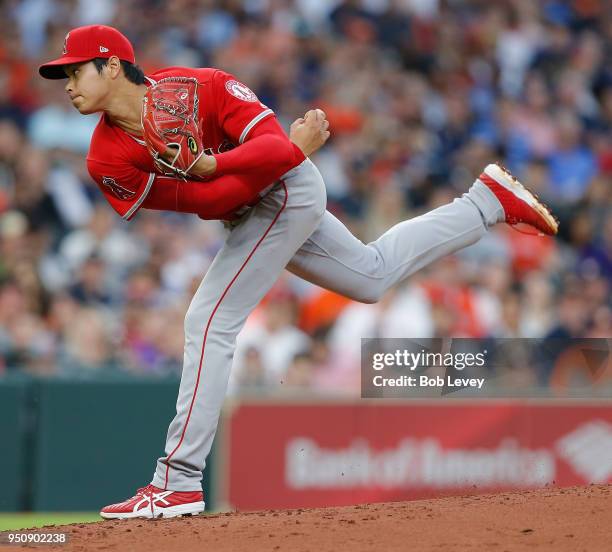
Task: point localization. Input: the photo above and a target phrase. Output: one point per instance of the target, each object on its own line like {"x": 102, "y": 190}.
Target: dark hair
{"x": 132, "y": 72}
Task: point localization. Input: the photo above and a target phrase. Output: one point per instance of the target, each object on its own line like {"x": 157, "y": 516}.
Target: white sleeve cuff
{"x": 253, "y": 122}
{"x": 143, "y": 196}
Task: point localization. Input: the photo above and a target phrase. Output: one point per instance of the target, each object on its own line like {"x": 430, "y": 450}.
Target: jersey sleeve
{"x": 123, "y": 185}
{"x": 238, "y": 108}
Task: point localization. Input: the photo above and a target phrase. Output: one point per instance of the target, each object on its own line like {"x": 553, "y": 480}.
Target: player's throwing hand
{"x": 310, "y": 132}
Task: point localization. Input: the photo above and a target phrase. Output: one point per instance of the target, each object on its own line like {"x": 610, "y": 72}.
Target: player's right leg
{"x": 335, "y": 259}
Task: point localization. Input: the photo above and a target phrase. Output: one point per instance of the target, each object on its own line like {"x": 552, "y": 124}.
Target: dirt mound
{"x": 572, "y": 519}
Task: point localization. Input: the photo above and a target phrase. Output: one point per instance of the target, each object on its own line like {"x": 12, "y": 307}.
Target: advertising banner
{"x": 308, "y": 455}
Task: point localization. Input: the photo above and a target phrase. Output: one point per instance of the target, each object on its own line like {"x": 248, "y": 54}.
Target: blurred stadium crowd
{"x": 420, "y": 94}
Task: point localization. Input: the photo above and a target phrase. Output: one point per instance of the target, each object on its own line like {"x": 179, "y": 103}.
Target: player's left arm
{"x": 218, "y": 199}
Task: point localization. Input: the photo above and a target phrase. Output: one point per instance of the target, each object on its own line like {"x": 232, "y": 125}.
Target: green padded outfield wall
{"x": 14, "y": 422}
{"x": 96, "y": 442}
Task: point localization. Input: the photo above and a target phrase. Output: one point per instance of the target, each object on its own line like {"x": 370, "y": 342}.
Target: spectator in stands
{"x": 419, "y": 96}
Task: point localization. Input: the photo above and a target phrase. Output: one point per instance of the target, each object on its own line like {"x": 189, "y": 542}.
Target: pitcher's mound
{"x": 572, "y": 519}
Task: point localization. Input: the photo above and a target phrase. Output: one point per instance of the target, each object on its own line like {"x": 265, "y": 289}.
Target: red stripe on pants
{"x": 195, "y": 391}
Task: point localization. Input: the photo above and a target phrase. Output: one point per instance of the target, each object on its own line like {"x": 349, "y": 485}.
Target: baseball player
{"x": 199, "y": 141}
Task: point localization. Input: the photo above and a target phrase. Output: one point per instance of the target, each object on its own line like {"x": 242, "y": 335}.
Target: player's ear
{"x": 114, "y": 67}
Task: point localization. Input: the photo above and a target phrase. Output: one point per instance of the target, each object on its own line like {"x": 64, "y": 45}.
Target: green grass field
{"x": 38, "y": 519}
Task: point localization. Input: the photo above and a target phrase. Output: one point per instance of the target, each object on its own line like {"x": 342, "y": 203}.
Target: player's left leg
{"x": 335, "y": 259}
{"x": 255, "y": 253}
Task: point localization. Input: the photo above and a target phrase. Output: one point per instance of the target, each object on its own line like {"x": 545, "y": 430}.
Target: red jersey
{"x": 123, "y": 168}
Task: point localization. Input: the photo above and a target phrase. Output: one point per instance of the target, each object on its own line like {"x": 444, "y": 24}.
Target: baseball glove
{"x": 170, "y": 120}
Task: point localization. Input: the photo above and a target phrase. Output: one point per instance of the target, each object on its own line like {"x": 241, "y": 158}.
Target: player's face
{"x": 86, "y": 88}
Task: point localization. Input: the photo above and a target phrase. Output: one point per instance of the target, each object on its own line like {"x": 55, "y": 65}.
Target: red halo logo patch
{"x": 240, "y": 91}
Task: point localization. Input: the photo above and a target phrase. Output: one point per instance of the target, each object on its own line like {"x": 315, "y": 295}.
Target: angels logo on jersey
{"x": 119, "y": 191}
{"x": 240, "y": 91}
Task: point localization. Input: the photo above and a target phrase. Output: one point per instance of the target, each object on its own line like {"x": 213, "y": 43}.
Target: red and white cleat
{"x": 519, "y": 204}
{"x": 152, "y": 502}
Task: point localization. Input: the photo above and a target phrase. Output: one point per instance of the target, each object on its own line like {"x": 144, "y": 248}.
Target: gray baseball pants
{"x": 290, "y": 228}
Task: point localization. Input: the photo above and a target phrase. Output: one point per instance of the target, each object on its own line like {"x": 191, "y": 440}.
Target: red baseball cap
{"x": 87, "y": 43}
